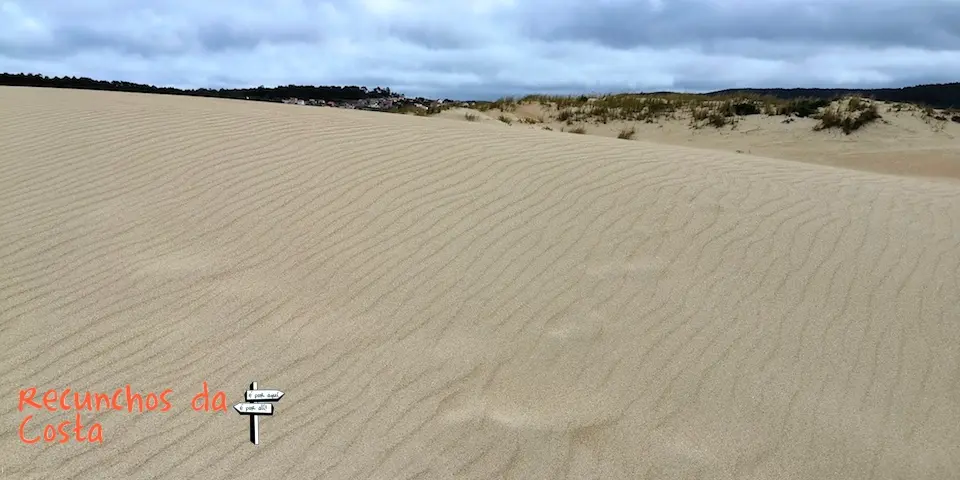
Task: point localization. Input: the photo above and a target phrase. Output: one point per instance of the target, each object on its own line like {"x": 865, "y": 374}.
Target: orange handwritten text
{"x": 34, "y": 430}
{"x": 94, "y": 433}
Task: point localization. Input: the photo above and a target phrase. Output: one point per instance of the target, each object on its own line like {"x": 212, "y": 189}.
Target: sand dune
{"x": 449, "y": 300}
{"x": 904, "y": 141}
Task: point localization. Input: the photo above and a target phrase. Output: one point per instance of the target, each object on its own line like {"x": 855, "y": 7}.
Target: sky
{"x": 483, "y": 49}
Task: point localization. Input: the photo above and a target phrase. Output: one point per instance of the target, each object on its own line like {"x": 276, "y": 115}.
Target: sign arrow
{"x": 263, "y": 395}
{"x": 254, "y": 408}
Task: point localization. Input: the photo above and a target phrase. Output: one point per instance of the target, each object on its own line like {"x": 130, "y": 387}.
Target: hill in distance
{"x": 945, "y": 95}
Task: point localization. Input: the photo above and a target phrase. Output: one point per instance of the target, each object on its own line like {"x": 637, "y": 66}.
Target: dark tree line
{"x": 939, "y": 95}
{"x": 272, "y": 94}
{"x": 944, "y": 95}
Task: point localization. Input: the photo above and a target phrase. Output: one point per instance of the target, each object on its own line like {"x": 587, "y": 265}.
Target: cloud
{"x": 853, "y": 23}
{"x": 488, "y": 48}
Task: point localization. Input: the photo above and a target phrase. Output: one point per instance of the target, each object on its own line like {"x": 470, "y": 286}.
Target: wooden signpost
{"x": 255, "y": 407}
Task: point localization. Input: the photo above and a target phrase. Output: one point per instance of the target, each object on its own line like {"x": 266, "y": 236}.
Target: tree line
{"x": 940, "y": 95}
{"x": 271, "y": 94}
{"x": 937, "y": 95}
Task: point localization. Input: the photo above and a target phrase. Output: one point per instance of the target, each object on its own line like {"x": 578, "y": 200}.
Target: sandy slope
{"x": 904, "y": 142}
{"x": 464, "y": 300}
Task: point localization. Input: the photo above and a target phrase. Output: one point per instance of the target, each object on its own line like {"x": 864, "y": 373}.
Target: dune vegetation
{"x": 847, "y": 114}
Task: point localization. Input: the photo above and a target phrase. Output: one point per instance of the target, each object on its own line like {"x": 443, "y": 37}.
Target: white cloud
{"x": 488, "y": 47}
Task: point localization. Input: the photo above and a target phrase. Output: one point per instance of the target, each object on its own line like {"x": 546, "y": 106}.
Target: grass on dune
{"x": 847, "y": 120}
{"x": 848, "y": 114}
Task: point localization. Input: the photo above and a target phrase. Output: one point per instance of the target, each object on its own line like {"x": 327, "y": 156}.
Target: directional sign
{"x": 254, "y": 408}
{"x": 263, "y": 395}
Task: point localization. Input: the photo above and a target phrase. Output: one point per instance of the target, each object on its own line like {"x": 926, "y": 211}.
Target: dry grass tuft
{"x": 505, "y": 104}
{"x": 847, "y": 121}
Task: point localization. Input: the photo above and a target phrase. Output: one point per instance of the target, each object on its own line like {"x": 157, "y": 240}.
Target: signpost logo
{"x": 255, "y": 406}
{"x": 257, "y": 402}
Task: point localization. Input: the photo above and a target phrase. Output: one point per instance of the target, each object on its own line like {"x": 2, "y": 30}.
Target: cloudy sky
{"x": 488, "y": 48}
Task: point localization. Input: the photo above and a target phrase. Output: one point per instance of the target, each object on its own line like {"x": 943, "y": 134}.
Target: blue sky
{"x": 488, "y": 48}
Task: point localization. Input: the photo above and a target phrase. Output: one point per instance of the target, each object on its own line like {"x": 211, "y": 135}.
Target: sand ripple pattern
{"x": 449, "y": 300}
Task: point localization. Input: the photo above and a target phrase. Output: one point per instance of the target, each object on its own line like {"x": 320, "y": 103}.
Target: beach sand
{"x": 443, "y": 299}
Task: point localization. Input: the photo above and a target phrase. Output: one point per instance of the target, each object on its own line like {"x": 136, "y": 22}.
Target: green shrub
{"x": 803, "y": 107}
{"x": 627, "y": 133}
{"x": 717, "y": 119}
{"x": 848, "y": 123}
{"x": 745, "y": 108}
